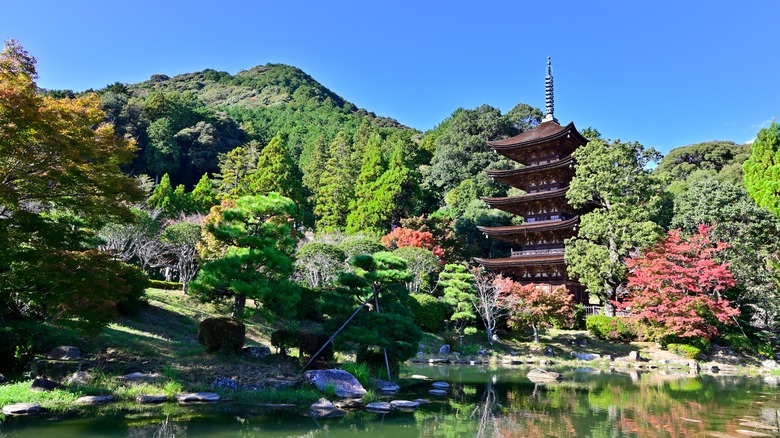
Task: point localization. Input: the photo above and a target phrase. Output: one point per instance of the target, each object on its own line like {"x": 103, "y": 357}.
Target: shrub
{"x": 611, "y": 329}
{"x": 428, "y": 312}
{"x": 738, "y": 342}
{"x": 221, "y": 334}
{"x": 167, "y": 285}
{"x": 136, "y": 281}
{"x": 686, "y": 351}
{"x": 306, "y": 342}
{"x": 22, "y": 340}
{"x": 700, "y": 342}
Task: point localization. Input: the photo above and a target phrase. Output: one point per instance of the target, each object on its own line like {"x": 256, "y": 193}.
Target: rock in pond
{"x": 542, "y": 376}
{"x": 151, "y": 398}
{"x": 44, "y": 385}
{"x": 440, "y": 385}
{"x": 22, "y": 408}
{"x": 64, "y": 353}
{"x": 379, "y": 407}
{"x": 439, "y": 392}
{"x": 189, "y": 397}
{"x": 94, "y": 399}
{"x": 322, "y": 403}
{"x": 634, "y": 356}
{"x": 421, "y": 401}
{"x": 404, "y": 404}
{"x": 770, "y": 364}
{"x": 385, "y": 386}
{"x": 345, "y": 384}
{"x": 444, "y": 350}
{"x": 349, "y": 403}
{"x": 224, "y": 384}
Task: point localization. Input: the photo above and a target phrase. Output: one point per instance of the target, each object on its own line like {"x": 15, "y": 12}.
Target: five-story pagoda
{"x": 545, "y": 152}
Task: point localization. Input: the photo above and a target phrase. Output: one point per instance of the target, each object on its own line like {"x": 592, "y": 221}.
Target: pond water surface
{"x": 481, "y": 401}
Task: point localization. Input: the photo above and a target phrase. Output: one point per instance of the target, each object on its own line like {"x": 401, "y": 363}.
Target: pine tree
{"x": 460, "y": 296}
{"x": 363, "y": 212}
{"x": 203, "y": 196}
{"x": 234, "y": 167}
{"x": 335, "y": 191}
{"x": 315, "y": 165}
{"x": 276, "y": 172}
{"x": 162, "y": 196}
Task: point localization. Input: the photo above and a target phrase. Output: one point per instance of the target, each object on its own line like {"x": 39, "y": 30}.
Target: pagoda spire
{"x": 549, "y": 105}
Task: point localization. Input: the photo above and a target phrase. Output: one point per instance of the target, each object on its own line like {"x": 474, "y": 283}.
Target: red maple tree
{"x": 401, "y": 237}
{"x": 534, "y": 305}
{"x": 676, "y": 287}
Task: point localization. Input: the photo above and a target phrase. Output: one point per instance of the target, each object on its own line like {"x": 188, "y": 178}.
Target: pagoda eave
{"x": 503, "y": 174}
{"x": 545, "y": 132}
{"x": 512, "y": 262}
{"x": 551, "y": 225}
{"x": 513, "y": 200}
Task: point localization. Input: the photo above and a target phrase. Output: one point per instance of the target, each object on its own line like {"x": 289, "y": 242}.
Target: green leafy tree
{"x": 60, "y": 180}
{"x": 422, "y": 263}
{"x": 258, "y": 261}
{"x": 460, "y": 295}
{"x": 366, "y": 207}
{"x": 753, "y": 237}
{"x": 762, "y": 169}
{"x": 181, "y": 240}
{"x": 319, "y": 264}
{"x": 335, "y": 193}
{"x": 613, "y": 177}
{"x": 461, "y": 149}
{"x": 162, "y": 152}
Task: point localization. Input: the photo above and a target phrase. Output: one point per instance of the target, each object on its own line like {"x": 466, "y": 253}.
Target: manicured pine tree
{"x": 460, "y": 296}
{"x": 335, "y": 191}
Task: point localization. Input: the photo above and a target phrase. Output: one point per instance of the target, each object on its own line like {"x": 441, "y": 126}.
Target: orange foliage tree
{"x": 401, "y": 237}
{"x": 534, "y": 305}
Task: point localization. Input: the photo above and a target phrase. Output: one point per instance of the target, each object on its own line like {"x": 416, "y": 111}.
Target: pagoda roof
{"x": 509, "y": 262}
{"x": 503, "y": 174}
{"x": 512, "y": 230}
{"x": 545, "y": 132}
{"x": 513, "y": 200}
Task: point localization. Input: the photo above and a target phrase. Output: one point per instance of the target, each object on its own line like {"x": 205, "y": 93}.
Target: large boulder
{"x": 221, "y": 334}
{"x": 64, "y": 353}
{"x": 343, "y": 383}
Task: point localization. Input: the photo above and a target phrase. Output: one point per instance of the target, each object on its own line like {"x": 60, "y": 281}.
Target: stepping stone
{"x": 349, "y": 403}
{"x": 440, "y": 385}
{"x": 22, "y": 408}
{"x": 189, "y": 397}
{"x": 404, "y": 404}
{"x": 419, "y": 377}
{"x": 385, "y": 386}
{"x": 379, "y": 407}
{"x": 151, "y": 398}
{"x": 94, "y": 399}
{"x": 437, "y": 392}
{"x": 421, "y": 401}
{"x": 751, "y": 433}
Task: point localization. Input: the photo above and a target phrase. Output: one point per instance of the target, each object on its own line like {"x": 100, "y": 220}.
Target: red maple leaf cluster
{"x": 401, "y": 237}
{"x": 677, "y": 286}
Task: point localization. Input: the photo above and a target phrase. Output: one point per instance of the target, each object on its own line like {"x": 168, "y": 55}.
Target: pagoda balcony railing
{"x": 533, "y": 252}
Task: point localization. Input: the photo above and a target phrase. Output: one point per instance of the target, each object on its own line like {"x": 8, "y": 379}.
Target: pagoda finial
{"x": 549, "y": 106}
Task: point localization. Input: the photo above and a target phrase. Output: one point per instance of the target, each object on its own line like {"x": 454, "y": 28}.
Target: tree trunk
{"x": 489, "y": 330}
{"x": 239, "y": 302}
{"x": 536, "y": 332}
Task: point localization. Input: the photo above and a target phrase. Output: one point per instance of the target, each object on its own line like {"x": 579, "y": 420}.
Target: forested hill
{"x": 182, "y": 123}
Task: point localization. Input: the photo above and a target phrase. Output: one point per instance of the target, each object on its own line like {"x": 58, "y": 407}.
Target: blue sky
{"x": 664, "y": 73}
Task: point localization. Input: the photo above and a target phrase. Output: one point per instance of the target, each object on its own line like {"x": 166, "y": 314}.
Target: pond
{"x": 481, "y": 401}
